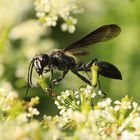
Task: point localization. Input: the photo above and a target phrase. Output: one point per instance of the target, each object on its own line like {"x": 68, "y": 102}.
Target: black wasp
{"x": 61, "y": 60}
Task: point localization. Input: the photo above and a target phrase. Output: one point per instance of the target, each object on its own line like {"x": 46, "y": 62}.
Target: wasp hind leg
{"x": 101, "y": 92}
{"x": 82, "y": 77}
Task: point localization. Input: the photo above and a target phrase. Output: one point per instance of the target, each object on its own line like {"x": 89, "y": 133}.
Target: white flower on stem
{"x": 49, "y": 11}
{"x": 136, "y": 123}
{"x": 76, "y": 94}
{"x": 135, "y": 105}
{"x": 69, "y": 25}
{"x": 22, "y": 118}
{"x": 93, "y": 95}
{"x": 105, "y": 103}
{"x": 51, "y": 20}
{"x": 62, "y": 111}
{"x": 32, "y": 111}
{"x": 56, "y": 102}
{"x": 78, "y": 102}
{"x": 117, "y": 108}
{"x": 126, "y": 135}
{"x": 124, "y": 104}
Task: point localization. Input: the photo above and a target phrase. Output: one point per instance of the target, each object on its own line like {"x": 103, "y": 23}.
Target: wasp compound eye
{"x": 45, "y": 60}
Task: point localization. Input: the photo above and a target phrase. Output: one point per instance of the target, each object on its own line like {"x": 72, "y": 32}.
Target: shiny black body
{"x": 64, "y": 61}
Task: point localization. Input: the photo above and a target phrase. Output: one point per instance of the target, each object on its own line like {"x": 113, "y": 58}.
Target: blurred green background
{"x": 21, "y": 38}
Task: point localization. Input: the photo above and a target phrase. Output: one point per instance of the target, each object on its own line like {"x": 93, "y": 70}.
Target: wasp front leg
{"x": 46, "y": 70}
{"x": 56, "y": 81}
{"x": 51, "y": 77}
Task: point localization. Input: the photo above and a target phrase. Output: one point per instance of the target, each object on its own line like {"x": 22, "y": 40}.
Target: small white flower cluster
{"x": 14, "y": 108}
{"x": 49, "y": 11}
{"x": 25, "y": 116}
{"x": 102, "y": 120}
{"x": 123, "y": 104}
{"x": 89, "y": 92}
{"x": 11, "y": 130}
{"x": 104, "y": 103}
{"x": 74, "y": 100}
{"x": 80, "y": 116}
{"x": 31, "y": 110}
{"x": 66, "y": 100}
{"x": 6, "y": 99}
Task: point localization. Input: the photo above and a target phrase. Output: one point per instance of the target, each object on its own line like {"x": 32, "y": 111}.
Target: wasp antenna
{"x": 29, "y": 77}
{"x": 27, "y": 89}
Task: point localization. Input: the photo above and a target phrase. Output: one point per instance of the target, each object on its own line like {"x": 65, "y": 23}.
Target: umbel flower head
{"x": 50, "y": 11}
{"x": 84, "y": 114}
{"x": 104, "y": 119}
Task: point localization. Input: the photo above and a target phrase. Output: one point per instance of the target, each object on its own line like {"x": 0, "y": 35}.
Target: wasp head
{"x": 39, "y": 62}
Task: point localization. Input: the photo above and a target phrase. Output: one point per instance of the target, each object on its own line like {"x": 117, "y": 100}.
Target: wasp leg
{"x": 79, "y": 65}
{"x": 56, "y": 81}
{"x": 82, "y": 67}
{"x": 85, "y": 70}
{"x": 50, "y": 86}
{"x": 88, "y": 65}
{"x": 99, "y": 84}
{"x": 82, "y": 77}
{"x": 46, "y": 70}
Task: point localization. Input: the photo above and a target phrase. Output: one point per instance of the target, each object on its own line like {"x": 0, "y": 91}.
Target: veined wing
{"x": 104, "y": 33}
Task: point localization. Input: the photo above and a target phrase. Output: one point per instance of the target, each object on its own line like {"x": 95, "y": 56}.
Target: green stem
{"x": 41, "y": 82}
{"x": 4, "y": 36}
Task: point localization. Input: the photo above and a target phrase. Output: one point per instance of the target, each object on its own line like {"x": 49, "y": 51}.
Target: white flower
{"x": 117, "y": 102}
{"x": 56, "y": 102}
{"x": 126, "y": 135}
{"x": 76, "y": 94}
{"x": 105, "y": 103}
{"x": 136, "y": 123}
{"x": 48, "y": 12}
{"x": 135, "y": 105}
{"x": 125, "y": 104}
{"x": 51, "y": 21}
{"x": 62, "y": 111}
{"x": 93, "y": 95}
{"x": 22, "y": 118}
{"x": 100, "y": 93}
{"x": 117, "y": 108}
{"x": 33, "y": 111}
{"x": 78, "y": 102}
{"x": 69, "y": 25}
